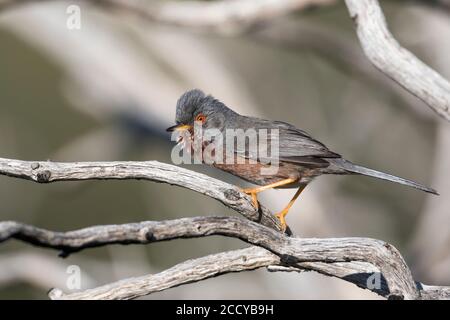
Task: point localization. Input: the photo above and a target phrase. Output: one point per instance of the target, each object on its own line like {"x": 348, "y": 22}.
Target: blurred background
{"x": 108, "y": 90}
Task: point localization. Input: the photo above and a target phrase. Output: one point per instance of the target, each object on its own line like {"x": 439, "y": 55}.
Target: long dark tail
{"x": 350, "y": 167}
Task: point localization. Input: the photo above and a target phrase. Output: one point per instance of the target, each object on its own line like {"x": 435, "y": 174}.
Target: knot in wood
{"x": 43, "y": 176}
{"x": 35, "y": 166}
{"x": 232, "y": 195}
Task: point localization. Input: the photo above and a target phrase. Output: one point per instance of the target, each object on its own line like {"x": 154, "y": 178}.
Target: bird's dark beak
{"x": 179, "y": 127}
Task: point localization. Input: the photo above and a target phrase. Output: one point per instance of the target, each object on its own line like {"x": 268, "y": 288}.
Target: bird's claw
{"x": 281, "y": 217}
{"x": 254, "y": 196}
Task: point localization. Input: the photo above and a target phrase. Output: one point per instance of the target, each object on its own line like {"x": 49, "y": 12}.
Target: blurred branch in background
{"x": 443, "y": 4}
{"x": 237, "y": 16}
{"x": 395, "y": 61}
{"x": 224, "y": 16}
{"x": 27, "y": 267}
{"x": 337, "y": 49}
{"x": 431, "y": 231}
{"x": 332, "y": 257}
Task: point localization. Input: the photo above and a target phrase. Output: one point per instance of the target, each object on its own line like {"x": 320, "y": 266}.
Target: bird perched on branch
{"x": 298, "y": 157}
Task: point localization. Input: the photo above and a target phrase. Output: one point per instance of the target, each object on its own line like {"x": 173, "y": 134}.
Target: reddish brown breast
{"x": 254, "y": 172}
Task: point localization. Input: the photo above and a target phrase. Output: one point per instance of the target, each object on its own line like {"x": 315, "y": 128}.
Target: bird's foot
{"x": 251, "y": 192}
{"x": 281, "y": 216}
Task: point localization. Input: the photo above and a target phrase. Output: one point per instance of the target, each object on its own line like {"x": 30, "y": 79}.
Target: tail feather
{"x": 350, "y": 167}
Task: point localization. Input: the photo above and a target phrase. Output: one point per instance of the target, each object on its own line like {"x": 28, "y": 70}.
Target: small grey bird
{"x": 300, "y": 157}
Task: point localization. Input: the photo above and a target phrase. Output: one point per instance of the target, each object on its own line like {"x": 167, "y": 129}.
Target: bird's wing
{"x": 294, "y": 145}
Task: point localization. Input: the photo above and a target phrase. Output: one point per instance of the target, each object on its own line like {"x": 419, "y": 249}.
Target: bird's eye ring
{"x": 200, "y": 117}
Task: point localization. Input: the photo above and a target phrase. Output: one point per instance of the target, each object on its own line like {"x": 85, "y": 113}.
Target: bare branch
{"x": 187, "y": 272}
{"x": 351, "y": 259}
{"x": 231, "y": 196}
{"x": 334, "y": 257}
{"x": 395, "y": 61}
{"x": 435, "y": 292}
{"x": 234, "y": 261}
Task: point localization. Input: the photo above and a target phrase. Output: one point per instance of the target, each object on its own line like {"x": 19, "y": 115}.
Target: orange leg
{"x": 282, "y": 214}
{"x": 254, "y": 191}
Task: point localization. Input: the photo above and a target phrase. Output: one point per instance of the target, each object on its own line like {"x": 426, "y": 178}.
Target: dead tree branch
{"x": 186, "y": 272}
{"x": 351, "y": 259}
{"x": 395, "y": 61}
{"x": 229, "y": 195}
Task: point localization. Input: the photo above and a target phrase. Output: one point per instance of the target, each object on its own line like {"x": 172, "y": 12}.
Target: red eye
{"x": 201, "y": 117}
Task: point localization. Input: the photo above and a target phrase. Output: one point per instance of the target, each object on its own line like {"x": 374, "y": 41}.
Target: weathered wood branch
{"x": 186, "y": 272}
{"x": 395, "y": 61}
{"x": 231, "y": 196}
{"x": 351, "y": 259}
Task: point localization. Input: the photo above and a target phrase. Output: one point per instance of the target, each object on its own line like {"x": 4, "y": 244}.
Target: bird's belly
{"x": 261, "y": 174}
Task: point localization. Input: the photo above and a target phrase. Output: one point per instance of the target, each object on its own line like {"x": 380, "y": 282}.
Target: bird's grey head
{"x": 194, "y": 105}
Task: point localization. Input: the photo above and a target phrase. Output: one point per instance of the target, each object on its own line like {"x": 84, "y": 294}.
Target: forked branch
{"x": 356, "y": 260}
{"x": 352, "y": 259}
